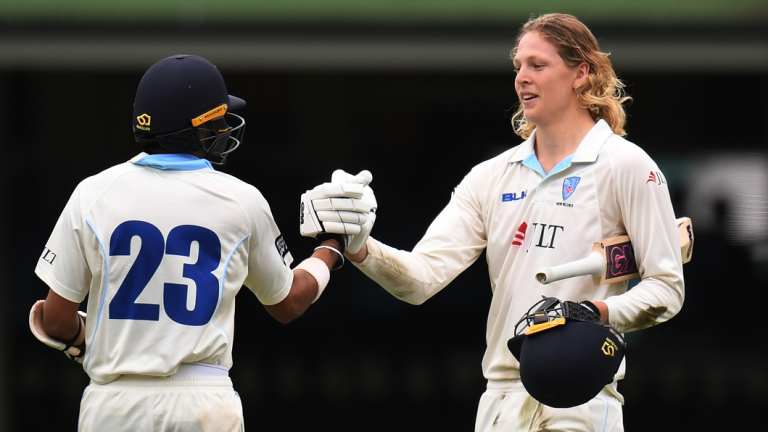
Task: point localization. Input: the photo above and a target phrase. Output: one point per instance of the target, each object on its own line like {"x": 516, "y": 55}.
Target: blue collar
{"x": 533, "y": 163}
{"x": 172, "y": 161}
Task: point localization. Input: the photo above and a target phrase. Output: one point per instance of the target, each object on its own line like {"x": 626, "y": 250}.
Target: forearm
{"x": 60, "y": 319}
{"x": 653, "y": 301}
{"x": 412, "y": 277}
{"x": 309, "y": 280}
{"x": 57, "y": 323}
{"x": 303, "y": 292}
{"x": 649, "y": 220}
{"x": 63, "y": 330}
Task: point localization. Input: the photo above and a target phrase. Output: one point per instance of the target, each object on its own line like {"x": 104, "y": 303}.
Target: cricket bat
{"x": 613, "y": 259}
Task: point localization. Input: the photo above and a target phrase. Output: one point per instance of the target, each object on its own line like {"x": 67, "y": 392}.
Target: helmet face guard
{"x": 564, "y": 361}
{"x": 218, "y": 139}
{"x": 547, "y": 311}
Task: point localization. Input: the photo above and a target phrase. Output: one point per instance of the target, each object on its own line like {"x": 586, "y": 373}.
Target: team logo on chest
{"x": 569, "y": 186}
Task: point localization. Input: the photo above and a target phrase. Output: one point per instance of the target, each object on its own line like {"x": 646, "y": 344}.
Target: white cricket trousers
{"x": 197, "y": 398}
{"x": 507, "y": 407}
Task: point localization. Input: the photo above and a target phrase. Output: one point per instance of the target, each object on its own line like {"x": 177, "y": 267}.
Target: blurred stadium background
{"x": 418, "y": 92}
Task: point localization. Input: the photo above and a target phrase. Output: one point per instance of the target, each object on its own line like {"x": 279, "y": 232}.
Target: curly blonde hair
{"x": 603, "y": 94}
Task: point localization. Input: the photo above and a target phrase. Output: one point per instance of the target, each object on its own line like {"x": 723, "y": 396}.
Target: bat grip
{"x": 592, "y": 264}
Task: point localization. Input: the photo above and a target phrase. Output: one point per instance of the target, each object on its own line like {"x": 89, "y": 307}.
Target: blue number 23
{"x": 153, "y": 247}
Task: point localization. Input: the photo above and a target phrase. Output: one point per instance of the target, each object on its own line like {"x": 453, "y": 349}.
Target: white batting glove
{"x": 355, "y": 241}
{"x": 333, "y": 208}
{"x": 74, "y": 350}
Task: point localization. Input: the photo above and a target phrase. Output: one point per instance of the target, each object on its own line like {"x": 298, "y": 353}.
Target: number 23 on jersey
{"x": 153, "y": 248}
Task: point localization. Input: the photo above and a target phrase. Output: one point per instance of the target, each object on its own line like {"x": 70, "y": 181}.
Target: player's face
{"x": 544, "y": 83}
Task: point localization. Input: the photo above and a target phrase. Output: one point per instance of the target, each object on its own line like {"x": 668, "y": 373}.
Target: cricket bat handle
{"x": 613, "y": 259}
{"x": 594, "y": 263}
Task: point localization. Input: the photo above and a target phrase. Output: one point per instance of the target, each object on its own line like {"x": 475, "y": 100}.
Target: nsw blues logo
{"x": 569, "y": 186}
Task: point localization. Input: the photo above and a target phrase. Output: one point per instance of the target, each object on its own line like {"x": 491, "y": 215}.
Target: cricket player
{"x": 573, "y": 181}
{"x": 160, "y": 245}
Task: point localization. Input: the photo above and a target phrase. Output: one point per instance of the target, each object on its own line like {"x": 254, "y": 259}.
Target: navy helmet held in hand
{"x": 566, "y": 355}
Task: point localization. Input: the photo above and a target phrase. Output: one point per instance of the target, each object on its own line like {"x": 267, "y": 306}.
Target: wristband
{"x": 337, "y": 253}
{"x": 319, "y": 270}
{"x": 338, "y": 237}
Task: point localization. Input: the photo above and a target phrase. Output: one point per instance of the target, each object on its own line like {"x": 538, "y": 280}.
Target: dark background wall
{"x": 359, "y": 359}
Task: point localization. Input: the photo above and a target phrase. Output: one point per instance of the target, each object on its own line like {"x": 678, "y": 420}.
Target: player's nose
{"x": 522, "y": 77}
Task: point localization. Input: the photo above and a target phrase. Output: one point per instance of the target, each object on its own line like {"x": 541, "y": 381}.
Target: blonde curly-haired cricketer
{"x": 574, "y": 180}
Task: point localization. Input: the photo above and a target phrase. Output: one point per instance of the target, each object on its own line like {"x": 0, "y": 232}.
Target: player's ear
{"x": 582, "y": 76}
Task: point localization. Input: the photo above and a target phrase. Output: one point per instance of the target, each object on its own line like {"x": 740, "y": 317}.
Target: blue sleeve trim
{"x": 226, "y": 266}
{"x": 104, "y": 288}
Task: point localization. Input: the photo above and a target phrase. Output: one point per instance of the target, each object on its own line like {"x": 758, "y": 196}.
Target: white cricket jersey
{"x": 526, "y": 219}
{"x": 161, "y": 245}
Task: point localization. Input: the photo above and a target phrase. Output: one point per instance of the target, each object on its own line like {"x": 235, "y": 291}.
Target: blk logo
{"x": 540, "y": 235}
{"x": 512, "y": 196}
{"x": 48, "y": 256}
{"x": 656, "y": 177}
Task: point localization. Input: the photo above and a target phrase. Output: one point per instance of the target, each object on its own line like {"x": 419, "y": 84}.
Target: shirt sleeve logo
{"x": 569, "y": 186}
{"x": 281, "y": 246}
{"x": 656, "y": 177}
{"x": 48, "y": 256}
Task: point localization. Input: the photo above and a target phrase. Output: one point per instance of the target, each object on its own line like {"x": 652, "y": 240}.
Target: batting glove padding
{"x": 355, "y": 241}
{"x": 333, "y": 208}
{"x": 583, "y": 311}
{"x": 73, "y": 352}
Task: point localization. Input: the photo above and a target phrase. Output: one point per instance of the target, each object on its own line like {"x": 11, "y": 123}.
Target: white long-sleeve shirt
{"x": 526, "y": 219}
